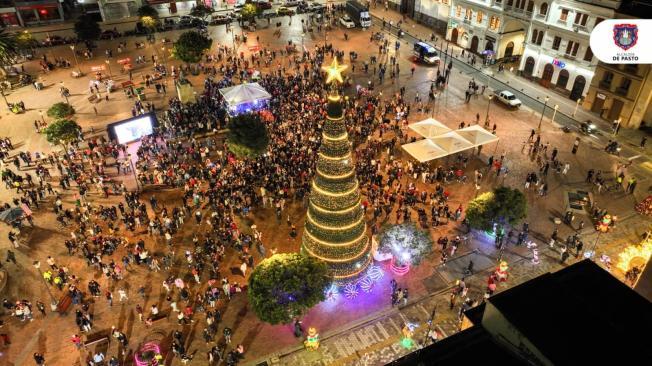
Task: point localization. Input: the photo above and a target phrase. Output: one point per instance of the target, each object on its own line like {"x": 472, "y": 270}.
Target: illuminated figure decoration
{"x": 604, "y": 224}
{"x": 312, "y": 340}
{"x": 335, "y": 229}
{"x": 535, "y": 252}
{"x": 408, "y": 333}
{"x": 501, "y": 272}
{"x": 149, "y": 354}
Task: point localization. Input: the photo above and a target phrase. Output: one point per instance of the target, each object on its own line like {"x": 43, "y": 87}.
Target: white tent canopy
{"x": 429, "y": 128}
{"x": 451, "y": 142}
{"x": 424, "y": 150}
{"x": 477, "y": 135}
{"x": 244, "y": 93}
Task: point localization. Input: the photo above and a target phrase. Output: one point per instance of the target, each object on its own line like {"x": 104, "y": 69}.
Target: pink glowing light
{"x": 398, "y": 268}
{"x": 147, "y": 347}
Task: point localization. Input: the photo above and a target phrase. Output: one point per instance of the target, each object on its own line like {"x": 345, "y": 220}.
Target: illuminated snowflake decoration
{"x": 375, "y": 273}
{"x": 351, "y": 290}
{"x": 332, "y": 292}
{"x": 367, "y": 284}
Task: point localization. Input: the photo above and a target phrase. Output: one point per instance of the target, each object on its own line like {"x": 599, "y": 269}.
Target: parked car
{"x": 198, "y": 22}
{"x": 53, "y": 41}
{"x": 185, "y": 21}
{"x": 509, "y": 99}
{"x": 220, "y": 19}
{"x": 347, "y": 22}
{"x": 284, "y": 10}
{"x": 263, "y": 4}
{"x": 315, "y": 8}
{"x": 291, "y": 3}
{"x": 109, "y": 34}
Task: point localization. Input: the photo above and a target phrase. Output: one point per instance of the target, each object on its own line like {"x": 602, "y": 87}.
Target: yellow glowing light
{"x": 325, "y": 210}
{"x": 348, "y": 155}
{"x": 330, "y": 176}
{"x": 344, "y": 244}
{"x": 338, "y": 260}
{"x": 334, "y": 72}
{"x": 362, "y": 268}
{"x": 326, "y": 227}
{"x": 331, "y": 194}
{"x": 643, "y": 251}
{"x": 341, "y": 137}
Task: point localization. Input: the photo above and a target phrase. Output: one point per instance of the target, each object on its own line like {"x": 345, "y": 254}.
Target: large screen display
{"x": 133, "y": 129}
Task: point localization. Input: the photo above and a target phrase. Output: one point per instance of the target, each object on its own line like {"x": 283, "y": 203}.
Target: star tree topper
{"x": 334, "y": 72}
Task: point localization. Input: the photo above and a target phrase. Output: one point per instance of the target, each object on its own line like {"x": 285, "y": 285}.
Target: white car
{"x": 291, "y": 3}
{"x": 346, "y": 22}
{"x": 509, "y": 99}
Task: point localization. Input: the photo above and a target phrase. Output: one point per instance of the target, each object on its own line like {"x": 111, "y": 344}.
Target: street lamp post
{"x": 545, "y": 104}
{"x": 617, "y": 126}
{"x": 554, "y": 113}
{"x": 486, "y": 117}
{"x": 577, "y": 104}
{"x": 63, "y": 93}
{"x": 108, "y": 64}
{"x": 74, "y": 55}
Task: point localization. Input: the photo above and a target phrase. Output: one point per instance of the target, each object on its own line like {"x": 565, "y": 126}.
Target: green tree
{"x": 61, "y": 110}
{"x": 191, "y": 46}
{"x": 248, "y": 135}
{"x": 502, "y": 206}
{"x": 25, "y": 40}
{"x": 406, "y": 242}
{"x": 62, "y": 131}
{"x": 249, "y": 11}
{"x": 201, "y": 11}
{"x": 87, "y": 28}
{"x": 148, "y": 16}
{"x": 284, "y": 286}
{"x": 9, "y": 47}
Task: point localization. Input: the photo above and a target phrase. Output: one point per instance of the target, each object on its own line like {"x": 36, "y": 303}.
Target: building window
{"x": 530, "y": 6}
{"x": 458, "y": 11}
{"x": 535, "y": 33}
{"x": 494, "y": 22}
{"x": 564, "y": 15}
{"x": 598, "y": 20}
{"x": 588, "y": 55}
{"x": 607, "y": 78}
{"x": 469, "y": 14}
{"x": 623, "y": 89}
{"x": 631, "y": 68}
{"x": 571, "y": 48}
{"x": 580, "y": 19}
{"x": 510, "y": 2}
{"x": 499, "y": 1}
{"x": 540, "y": 39}
{"x": 556, "y": 43}
{"x": 543, "y": 9}
{"x": 480, "y": 17}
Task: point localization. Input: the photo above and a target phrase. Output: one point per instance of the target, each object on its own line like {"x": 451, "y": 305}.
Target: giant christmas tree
{"x": 335, "y": 229}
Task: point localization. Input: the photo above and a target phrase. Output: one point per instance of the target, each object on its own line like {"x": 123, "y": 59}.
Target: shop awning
{"x": 244, "y": 93}
{"x": 429, "y": 128}
{"x": 424, "y": 150}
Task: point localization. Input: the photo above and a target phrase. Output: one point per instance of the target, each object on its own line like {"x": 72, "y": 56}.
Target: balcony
{"x": 467, "y": 21}
{"x": 528, "y": 14}
{"x": 605, "y": 84}
{"x": 540, "y": 16}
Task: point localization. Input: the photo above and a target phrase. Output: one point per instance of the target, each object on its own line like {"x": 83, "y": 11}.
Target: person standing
{"x": 576, "y": 145}
{"x": 643, "y": 141}
{"x": 39, "y": 359}
{"x": 227, "y": 335}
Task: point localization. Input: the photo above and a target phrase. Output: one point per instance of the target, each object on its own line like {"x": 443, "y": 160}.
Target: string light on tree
{"x": 335, "y": 229}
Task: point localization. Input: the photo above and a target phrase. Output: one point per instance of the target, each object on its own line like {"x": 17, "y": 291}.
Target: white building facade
{"x": 557, "y": 52}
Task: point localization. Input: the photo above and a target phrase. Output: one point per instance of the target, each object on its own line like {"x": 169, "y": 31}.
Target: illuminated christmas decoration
{"x": 312, "y": 340}
{"x": 535, "y": 252}
{"x": 408, "y": 333}
{"x": 375, "y": 273}
{"x": 332, "y": 292}
{"x": 603, "y": 225}
{"x": 501, "y": 272}
{"x": 335, "y": 229}
{"x": 367, "y": 284}
{"x": 351, "y": 290}
{"x": 406, "y": 244}
{"x": 148, "y": 354}
{"x": 642, "y": 252}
